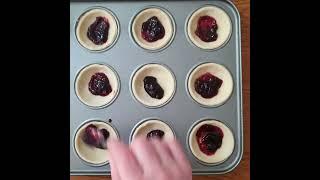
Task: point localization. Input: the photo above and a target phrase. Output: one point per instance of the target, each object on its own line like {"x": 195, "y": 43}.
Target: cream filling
{"x": 219, "y": 71}
{"x": 91, "y": 154}
{"x": 165, "y": 79}
{"x": 86, "y": 20}
{"x": 82, "y": 85}
{"x": 153, "y": 124}
{"x": 223, "y": 22}
{"x": 143, "y": 17}
{"x": 222, "y": 153}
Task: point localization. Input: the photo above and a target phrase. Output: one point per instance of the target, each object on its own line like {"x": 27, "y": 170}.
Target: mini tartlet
{"x": 164, "y": 78}
{"x": 158, "y": 16}
{"x": 83, "y": 80}
{"x": 89, "y": 154}
{"x": 220, "y": 18}
{"x": 222, "y": 153}
{"x": 224, "y": 91}
{"x": 147, "y": 127}
{"x": 104, "y": 21}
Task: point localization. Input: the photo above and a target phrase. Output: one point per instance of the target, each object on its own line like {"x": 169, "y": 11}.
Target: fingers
{"x": 179, "y": 156}
{"x": 114, "y": 171}
{"x": 145, "y": 158}
{"x": 123, "y": 161}
{"x": 146, "y": 155}
{"x": 163, "y": 151}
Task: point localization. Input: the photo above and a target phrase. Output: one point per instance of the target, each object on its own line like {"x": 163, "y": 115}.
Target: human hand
{"x": 148, "y": 160}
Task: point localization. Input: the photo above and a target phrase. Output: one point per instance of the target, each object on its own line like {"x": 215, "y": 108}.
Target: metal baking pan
{"x": 180, "y": 56}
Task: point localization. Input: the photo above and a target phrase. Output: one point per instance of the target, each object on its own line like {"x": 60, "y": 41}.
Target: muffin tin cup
{"x": 173, "y": 27}
{"x": 161, "y": 105}
{"x": 188, "y": 92}
{"x": 145, "y": 120}
{"x": 117, "y": 24}
{"x": 192, "y": 43}
{"x": 74, "y": 140}
{"x": 188, "y": 144}
{"x": 113, "y": 99}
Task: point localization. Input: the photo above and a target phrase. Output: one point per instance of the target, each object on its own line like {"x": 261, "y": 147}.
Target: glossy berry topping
{"x": 96, "y": 137}
{"x": 152, "y": 30}
{"x": 209, "y": 138}
{"x": 207, "y": 85}
{"x": 152, "y": 87}
{"x": 207, "y": 29}
{"x": 98, "y": 31}
{"x": 99, "y": 84}
{"x": 155, "y": 134}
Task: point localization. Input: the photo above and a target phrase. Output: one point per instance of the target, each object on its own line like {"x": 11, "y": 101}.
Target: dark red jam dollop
{"x": 207, "y": 85}
{"x": 98, "y": 31}
{"x": 155, "y": 134}
{"x": 152, "y": 87}
{"x": 95, "y": 137}
{"x": 207, "y": 29}
{"x": 152, "y": 30}
{"x": 209, "y": 138}
{"x": 99, "y": 84}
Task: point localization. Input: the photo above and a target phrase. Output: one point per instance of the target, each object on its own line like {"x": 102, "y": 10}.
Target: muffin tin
{"x": 181, "y": 56}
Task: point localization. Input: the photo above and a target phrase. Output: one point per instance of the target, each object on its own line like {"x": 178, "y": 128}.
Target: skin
{"x": 148, "y": 160}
